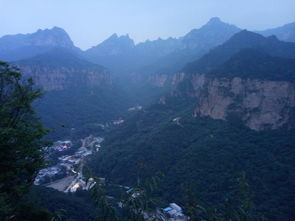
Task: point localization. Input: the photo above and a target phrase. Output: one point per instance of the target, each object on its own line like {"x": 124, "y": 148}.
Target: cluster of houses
{"x": 49, "y": 174}
{"x": 71, "y": 166}
{"x": 67, "y": 164}
{"x": 58, "y": 146}
{"x": 174, "y": 213}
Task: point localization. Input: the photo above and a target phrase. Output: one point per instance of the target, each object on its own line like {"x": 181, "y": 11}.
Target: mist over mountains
{"x": 200, "y": 109}
{"x": 242, "y": 40}
{"x": 139, "y": 73}
{"x": 284, "y": 33}
{"x": 120, "y": 53}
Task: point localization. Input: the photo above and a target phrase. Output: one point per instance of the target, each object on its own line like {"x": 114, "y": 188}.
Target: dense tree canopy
{"x": 20, "y": 138}
{"x": 205, "y": 153}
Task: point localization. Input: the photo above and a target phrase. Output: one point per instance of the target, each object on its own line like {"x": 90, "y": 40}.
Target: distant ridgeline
{"x": 139, "y": 73}
{"x": 222, "y": 103}
{"x": 160, "y": 55}
{"x": 22, "y": 46}
{"x": 164, "y": 56}
{"x": 230, "y": 111}
{"x": 78, "y": 94}
{"x": 248, "y": 55}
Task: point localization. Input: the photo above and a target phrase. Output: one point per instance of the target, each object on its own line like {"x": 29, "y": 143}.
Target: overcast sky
{"x": 89, "y": 22}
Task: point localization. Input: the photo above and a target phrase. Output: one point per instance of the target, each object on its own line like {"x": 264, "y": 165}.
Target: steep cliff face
{"x": 165, "y": 80}
{"x": 261, "y": 104}
{"x": 158, "y": 80}
{"x": 61, "y": 78}
{"x": 249, "y": 76}
{"x": 61, "y": 69}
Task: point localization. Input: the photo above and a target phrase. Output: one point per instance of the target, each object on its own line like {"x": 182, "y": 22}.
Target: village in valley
{"x": 65, "y": 170}
{"x": 67, "y": 174}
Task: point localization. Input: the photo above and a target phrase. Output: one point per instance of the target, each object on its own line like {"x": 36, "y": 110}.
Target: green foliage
{"x": 256, "y": 64}
{"x": 209, "y": 153}
{"x": 238, "y": 207}
{"x": 20, "y": 138}
{"x": 28, "y": 212}
{"x": 77, "y": 109}
{"x": 248, "y": 55}
{"x": 106, "y": 211}
{"x": 140, "y": 200}
{"x": 131, "y": 205}
{"x": 59, "y": 216}
{"x": 62, "y": 206}
{"x": 78, "y": 112}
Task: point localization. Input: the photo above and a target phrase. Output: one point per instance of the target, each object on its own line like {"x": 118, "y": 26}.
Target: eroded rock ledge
{"x": 262, "y": 104}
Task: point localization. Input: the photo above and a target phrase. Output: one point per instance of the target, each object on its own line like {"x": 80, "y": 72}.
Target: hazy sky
{"x": 89, "y": 22}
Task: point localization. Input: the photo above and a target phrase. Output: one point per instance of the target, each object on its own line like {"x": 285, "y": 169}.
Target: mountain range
{"x": 284, "y": 33}
{"x": 217, "y": 102}
{"x": 120, "y": 53}
{"x": 229, "y": 112}
{"x": 242, "y": 40}
{"x": 148, "y": 69}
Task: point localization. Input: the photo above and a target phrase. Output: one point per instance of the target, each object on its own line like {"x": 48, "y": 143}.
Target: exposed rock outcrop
{"x": 60, "y": 78}
{"x": 158, "y": 80}
{"x": 24, "y": 46}
{"x": 261, "y": 104}
{"x": 162, "y": 80}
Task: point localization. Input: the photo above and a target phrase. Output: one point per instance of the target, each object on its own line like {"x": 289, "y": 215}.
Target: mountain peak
{"x": 214, "y": 20}
{"x": 22, "y": 46}
{"x": 112, "y": 46}
{"x": 126, "y": 38}
{"x": 113, "y": 36}
{"x": 115, "y": 39}
{"x": 57, "y": 31}
{"x": 213, "y": 33}
{"x": 54, "y": 37}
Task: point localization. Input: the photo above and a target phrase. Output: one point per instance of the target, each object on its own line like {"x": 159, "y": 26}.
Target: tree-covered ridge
{"x": 265, "y": 58}
{"x": 80, "y": 111}
{"x": 208, "y": 153}
{"x": 256, "y": 64}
